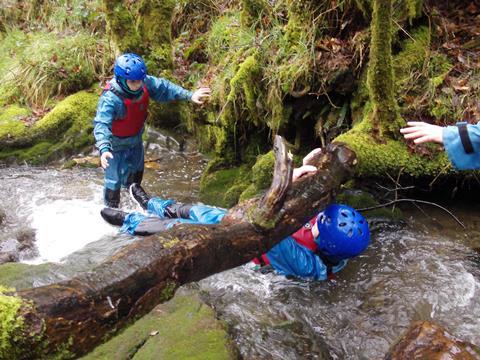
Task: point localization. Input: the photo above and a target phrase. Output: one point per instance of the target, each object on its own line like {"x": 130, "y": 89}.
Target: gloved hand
{"x": 104, "y": 158}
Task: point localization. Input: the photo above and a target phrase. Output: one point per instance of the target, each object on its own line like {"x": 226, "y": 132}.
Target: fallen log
{"x": 70, "y": 318}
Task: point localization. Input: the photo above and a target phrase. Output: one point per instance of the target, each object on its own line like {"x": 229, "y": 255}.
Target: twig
{"x": 414, "y": 201}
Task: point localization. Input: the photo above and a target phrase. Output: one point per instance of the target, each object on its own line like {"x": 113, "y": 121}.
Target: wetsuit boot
{"x": 139, "y": 195}
{"x": 111, "y": 198}
{"x": 113, "y": 216}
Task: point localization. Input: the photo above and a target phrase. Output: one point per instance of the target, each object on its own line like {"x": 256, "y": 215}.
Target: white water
{"x": 65, "y": 226}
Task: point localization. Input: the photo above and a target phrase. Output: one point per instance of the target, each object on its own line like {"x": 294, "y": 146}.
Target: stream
{"x": 428, "y": 269}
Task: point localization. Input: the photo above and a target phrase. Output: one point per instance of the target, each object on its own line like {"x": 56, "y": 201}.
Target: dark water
{"x": 428, "y": 269}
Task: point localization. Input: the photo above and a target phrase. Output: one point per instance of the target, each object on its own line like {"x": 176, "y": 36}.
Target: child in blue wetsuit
{"x": 316, "y": 251}
{"x": 461, "y": 142}
{"x": 119, "y": 122}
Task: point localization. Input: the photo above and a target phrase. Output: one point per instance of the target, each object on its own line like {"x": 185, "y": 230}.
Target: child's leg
{"x": 111, "y": 193}
{"x": 134, "y": 165}
{"x": 204, "y": 214}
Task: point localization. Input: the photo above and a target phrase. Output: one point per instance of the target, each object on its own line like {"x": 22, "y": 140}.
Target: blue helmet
{"x": 130, "y": 66}
{"x": 343, "y": 232}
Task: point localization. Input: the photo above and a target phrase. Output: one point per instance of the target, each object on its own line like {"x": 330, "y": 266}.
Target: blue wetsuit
{"x": 128, "y": 154}
{"x": 289, "y": 257}
{"x": 462, "y": 144}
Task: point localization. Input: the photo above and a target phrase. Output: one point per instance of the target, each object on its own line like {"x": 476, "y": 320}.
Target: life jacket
{"x": 304, "y": 237}
{"x": 135, "y": 113}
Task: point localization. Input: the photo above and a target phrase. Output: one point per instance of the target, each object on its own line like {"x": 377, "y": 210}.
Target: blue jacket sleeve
{"x": 455, "y": 151}
{"x": 290, "y": 258}
{"x": 107, "y": 110}
{"x": 163, "y": 90}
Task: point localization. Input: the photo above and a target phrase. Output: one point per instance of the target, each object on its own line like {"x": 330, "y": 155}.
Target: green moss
{"x": 154, "y": 24}
{"x": 11, "y": 324}
{"x": 214, "y": 186}
{"x": 380, "y": 80}
{"x": 243, "y": 84}
{"x": 121, "y": 25}
{"x": 262, "y": 171}
{"x": 391, "y": 157}
{"x": 64, "y": 130}
{"x": 10, "y": 121}
{"x": 183, "y": 328}
{"x": 21, "y": 276}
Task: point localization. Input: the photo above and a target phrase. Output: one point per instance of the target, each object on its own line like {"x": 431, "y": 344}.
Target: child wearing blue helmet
{"x": 120, "y": 118}
{"x": 316, "y": 251}
{"x": 322, "y": 246}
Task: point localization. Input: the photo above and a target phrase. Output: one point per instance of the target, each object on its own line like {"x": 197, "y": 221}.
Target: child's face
{"x": 134, "y": 85}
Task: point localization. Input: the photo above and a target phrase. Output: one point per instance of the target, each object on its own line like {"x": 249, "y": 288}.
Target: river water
{"x": 427, "y": 269}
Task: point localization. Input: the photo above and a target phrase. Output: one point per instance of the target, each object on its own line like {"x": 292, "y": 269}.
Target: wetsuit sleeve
{"x": 102, "y": 123}
{"x": 163, "y": 90}
{"x": 290, "y": 258}
{"x": 463, "y": 150}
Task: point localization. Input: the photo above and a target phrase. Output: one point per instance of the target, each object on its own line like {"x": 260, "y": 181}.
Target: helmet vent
{"x": 344, "y": 214}
{"x": 350, "y": 233}
{"x": 360, "y": 231}
{"x": 342, "y": 224}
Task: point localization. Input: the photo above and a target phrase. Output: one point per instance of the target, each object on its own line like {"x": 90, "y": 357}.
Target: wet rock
{"x": 426, "y": 340}
{"x": 2, "y": 216}
{"x": 6, "y": 257}
{"x": 26, "y": 243}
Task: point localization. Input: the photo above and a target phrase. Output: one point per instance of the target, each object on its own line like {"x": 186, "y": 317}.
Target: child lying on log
{"x": 316, "y": 251}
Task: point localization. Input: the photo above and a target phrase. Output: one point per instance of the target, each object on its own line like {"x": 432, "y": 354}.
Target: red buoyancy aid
{"x": 135, "y": 114}
{"x": 302, "y": 236}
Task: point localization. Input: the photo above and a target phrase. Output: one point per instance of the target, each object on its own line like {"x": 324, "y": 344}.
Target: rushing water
{"x": 427, "y": 269}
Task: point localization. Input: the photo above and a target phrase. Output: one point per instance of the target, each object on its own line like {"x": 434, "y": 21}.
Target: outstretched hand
{"x": 201, "y": 95}
{"x": 310, "y": 158}
{"x": 307, "y": 168}
{"x": 422, "y": 132}
{"x": 303, "y": 170}
{"x": 104, "y": 158}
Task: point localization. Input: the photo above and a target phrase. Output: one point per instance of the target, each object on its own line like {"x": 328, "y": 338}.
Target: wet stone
{"x": 426, "y": 340}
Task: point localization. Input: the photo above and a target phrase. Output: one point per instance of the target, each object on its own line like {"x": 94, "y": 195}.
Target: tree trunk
{"x": 385, "y": 118}
{"x": 72, "y": 317}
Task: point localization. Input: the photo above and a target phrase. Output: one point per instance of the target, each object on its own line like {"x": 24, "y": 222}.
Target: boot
{"x": 111, "y": 198}
{"x": 113, "y": 216}
{"x": 139, "y": 195}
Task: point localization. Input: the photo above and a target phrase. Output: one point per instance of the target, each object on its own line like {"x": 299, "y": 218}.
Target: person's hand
{"x": 104, "y": 158}
{"x": 310, "y": 158}
{"x": 421, "y": 132}
{"x": 303, "y": 170}
{"x": 200, "y": 95}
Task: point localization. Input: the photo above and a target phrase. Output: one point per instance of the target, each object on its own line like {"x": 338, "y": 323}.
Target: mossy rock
{"x": 183, "y": 328}
{"x": 21, "y": 276}
{"x": 377, "y": 159}
{"x": 63, "y": 131}
{"x": 223, "y": 187}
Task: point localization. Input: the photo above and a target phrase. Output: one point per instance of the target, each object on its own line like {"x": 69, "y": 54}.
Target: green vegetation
{"x": 43, "y": 65}
{"x": 62, "y": 131}
{"x": 183, "y": 328}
